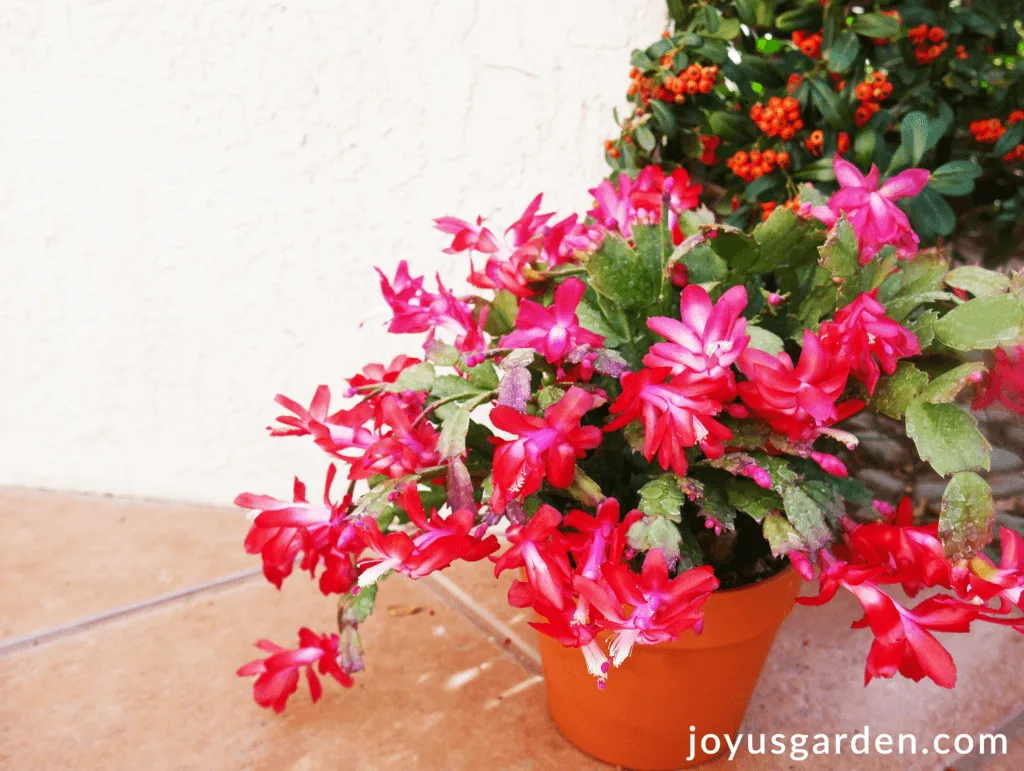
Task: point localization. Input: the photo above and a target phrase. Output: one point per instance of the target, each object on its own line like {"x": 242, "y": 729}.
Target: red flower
{"x": 539, "y": 547}
{"x": 547, "y": 446}
{"x": 437, "y": 544}
{"x": 284, "y": 529}
{"x": 862, "y": 331}
{"x": 796, "y": 401}
{"x": 903, "y": 642}
{"x": 278, "y": 674}
{"x": 708, "y": 148}
{"x": 552, "y": 331}
{"x": 1005, "y": 381}
{"x": 676, "y": 414}
{"x": 706, "y": 340}
{"x": 600, "y": 538}
{"x": 662, "y": 608}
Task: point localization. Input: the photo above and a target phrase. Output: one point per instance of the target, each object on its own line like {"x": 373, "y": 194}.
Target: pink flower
{"x": 619, "y": 207}
{"x": 1005, "y": 381}
{"x": 552, "y": 331}
{"x": 860, "y": 332}
{"x": 706, "y": 340}
{"x": 527, "y": 240}
{"x": 407, "y": 448}
{"x": 871, "y": 210}
{"x": 539, "y": 547}
{"x": 676, "y": 414}
{"x": 277, "y": 676}
{"x": 374, "y": 378}
{"x": 662, "y": 608}
{"x": 600, "y": 538}
{"x": 417, "y": 310}
{"x": 796, "y": 401}
{"x": 546, "y": 447}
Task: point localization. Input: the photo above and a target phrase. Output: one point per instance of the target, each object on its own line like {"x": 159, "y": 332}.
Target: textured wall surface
{"x": 193, "y": 195}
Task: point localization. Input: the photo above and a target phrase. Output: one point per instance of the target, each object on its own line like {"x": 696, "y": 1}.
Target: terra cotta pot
{"x": 642, "y": 720}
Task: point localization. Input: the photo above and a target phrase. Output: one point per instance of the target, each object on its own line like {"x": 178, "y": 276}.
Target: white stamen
{"x": 370, "y": 575}
{"x": 622, "y": 645}
{"x": 699, "y": 430}
{"x": 595, "y": 659}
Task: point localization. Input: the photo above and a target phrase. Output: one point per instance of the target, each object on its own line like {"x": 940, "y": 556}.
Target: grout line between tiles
{"x": 464, "y": 604}
{"x": 1012, "y": 728}
{"x": 23, "y": 642}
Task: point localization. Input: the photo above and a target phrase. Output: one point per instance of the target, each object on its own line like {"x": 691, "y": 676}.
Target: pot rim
{"x": 763, "y": 582}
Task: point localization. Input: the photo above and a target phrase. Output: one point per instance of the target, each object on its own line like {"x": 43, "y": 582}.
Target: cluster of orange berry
{"x": 989, "y": 132}
{"x": 755, "y": 164}
{"x": 871, "y": 93}
{"x": 779, "y": 118}
{"x": 611, "y": 149}
{"x": 809, "y": 44}
{"x": 793, "y": 204}
{"x": 794, "y": 82}
{"x": 929, "y": 43}
{"x": 961, "y": 52}
{"x": 640, "y": 85}
{"x": 693, "y": 80}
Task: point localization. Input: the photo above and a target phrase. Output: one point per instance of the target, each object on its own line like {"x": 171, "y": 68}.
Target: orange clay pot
{"x": 642, "y": 719}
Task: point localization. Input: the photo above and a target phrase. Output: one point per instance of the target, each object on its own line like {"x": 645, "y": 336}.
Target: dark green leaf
{"x": 955, "y": 178}
{"x": 914, "y": 133}
{"x": 1010, "y": 139}
{"x": 932, "y": 214}
{"x": 645, "y": 137}
{"x": 817, "y": 171}
{"x": 843, "y": 51}
{"x": 875, "y": 25}
{"x": 664, "y": 118}
{"x": 731, "y": 127}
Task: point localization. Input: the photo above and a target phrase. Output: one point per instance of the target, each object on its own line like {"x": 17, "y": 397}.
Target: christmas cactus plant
{"x": 753, "y": 97}
{"x": 647, "y": 405}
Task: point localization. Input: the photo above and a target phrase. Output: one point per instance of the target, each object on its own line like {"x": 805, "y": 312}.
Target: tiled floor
{"x": 451, "y": 686}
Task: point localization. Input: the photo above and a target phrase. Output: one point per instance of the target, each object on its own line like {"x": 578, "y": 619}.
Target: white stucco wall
{"x": 193, "y": 195}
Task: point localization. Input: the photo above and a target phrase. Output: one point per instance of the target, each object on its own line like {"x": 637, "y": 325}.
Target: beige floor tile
{"x": 88, "y": 554}
{"x": 158, "y": 691}
{"x": 66, "y": 556}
